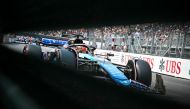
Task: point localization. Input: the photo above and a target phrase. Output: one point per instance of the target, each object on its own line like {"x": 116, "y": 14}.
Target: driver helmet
{"x": 84, "y": 49}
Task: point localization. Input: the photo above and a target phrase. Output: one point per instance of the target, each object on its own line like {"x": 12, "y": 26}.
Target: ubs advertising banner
{"x": 169, "y": 66}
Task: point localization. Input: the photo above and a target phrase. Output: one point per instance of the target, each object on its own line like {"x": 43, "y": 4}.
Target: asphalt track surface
{"x": 177, "y": 89}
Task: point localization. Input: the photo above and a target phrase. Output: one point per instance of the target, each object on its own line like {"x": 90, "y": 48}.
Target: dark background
{"x": 38, "y": 14}
{"x": 54, "y": 87}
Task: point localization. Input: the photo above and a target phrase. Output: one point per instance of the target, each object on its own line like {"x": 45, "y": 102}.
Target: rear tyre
{"x": 34, "y": 51}
{"x": 68, "y": 58}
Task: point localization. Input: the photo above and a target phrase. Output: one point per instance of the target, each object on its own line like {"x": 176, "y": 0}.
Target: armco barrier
{"x": 169, "y": 66}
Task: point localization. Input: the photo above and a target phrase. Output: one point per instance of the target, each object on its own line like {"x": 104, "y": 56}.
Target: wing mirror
{"x": 92, "y": 48}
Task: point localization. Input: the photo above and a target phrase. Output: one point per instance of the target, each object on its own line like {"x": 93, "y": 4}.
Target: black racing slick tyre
{"x": 34, "y": 51}
{"x": 144, "y": 74}
{"x": 68, "y": 58}
{"x": 141, "y": 71}
{"x": 131, "y": 65}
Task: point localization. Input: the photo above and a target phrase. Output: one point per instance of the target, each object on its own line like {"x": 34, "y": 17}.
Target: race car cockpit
{"x": 80, "y": 48}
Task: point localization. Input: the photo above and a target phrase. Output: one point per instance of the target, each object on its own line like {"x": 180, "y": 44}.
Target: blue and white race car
{"x": 136, "y": 74}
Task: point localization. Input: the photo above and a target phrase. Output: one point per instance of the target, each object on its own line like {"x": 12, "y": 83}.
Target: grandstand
{"x": 160, "y": 39}
{"x": 169, "y": 40}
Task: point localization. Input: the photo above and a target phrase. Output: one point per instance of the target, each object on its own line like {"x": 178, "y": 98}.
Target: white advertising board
{"x": 169, "y": 66}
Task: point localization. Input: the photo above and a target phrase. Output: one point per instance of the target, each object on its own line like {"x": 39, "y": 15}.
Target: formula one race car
{"x": 81, "y": 57}
{"x": 137, "y": 73}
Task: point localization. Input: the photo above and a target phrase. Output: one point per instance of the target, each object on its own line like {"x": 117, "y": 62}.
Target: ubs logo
{"x": 161, "y": 66}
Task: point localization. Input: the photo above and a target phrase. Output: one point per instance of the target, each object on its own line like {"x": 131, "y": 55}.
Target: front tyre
{"x": 141, "y": 71}
{"x": 144, "y": 74}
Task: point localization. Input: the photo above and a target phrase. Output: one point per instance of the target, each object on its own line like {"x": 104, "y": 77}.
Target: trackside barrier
{"x": 169, "y": 66}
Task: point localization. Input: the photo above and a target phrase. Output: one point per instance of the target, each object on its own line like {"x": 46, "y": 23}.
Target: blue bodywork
{"x": 115, "y": 74}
